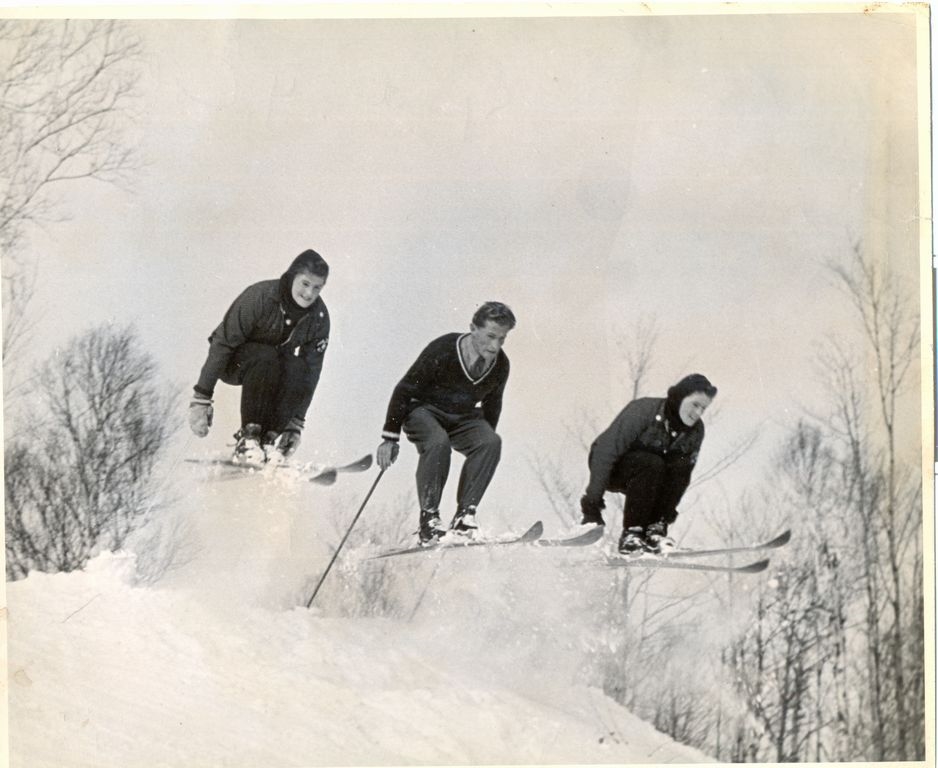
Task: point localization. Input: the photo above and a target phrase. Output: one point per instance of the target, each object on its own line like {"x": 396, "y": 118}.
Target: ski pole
{"x": 342, "y": 543}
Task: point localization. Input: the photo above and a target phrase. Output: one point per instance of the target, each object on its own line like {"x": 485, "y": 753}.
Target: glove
{"x": 387, "y": 452}
{"x": 289, "y": 439}
{"x": 200, "y": 414}
{"x": 592, "y": 510}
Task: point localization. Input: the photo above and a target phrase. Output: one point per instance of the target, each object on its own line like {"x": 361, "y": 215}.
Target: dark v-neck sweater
{"x": 440, "y": 377}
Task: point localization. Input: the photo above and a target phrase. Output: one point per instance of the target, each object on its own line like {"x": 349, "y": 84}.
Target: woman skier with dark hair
{"x": 648, "y": 453}
{"x": 271, "y": 343}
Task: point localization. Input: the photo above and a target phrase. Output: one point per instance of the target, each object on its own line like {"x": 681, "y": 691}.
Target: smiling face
{"x": 693, "y": 407}
{"x": 488, "y": 338}
{"x": 306, "y": 288}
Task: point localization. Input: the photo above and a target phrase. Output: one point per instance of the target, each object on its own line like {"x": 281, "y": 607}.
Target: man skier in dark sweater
{"x": 451, "y": 398}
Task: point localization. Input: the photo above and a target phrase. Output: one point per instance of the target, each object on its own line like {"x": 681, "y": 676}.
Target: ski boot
{"x": 269, "y": 444}
{"x": 280, "y": 446}
{"x": 464, "y": 522}
{"x": 431, "y": 529}
{"x": 248, "y": 450}
{"x": 632, "y": 541}
{"x": 657, "y": 540}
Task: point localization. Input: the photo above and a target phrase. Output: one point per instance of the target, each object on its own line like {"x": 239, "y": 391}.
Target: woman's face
{"x": 693, "y": 407}
{"x": 306, "y": 288}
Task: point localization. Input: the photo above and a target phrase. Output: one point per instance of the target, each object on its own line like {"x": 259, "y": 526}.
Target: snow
{"x": 219, "y": 663}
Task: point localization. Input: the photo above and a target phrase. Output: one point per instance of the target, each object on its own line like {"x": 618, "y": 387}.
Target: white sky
{"x": 588, "y": 172}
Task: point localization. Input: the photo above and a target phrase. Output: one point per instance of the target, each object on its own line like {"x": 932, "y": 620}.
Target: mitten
{"x": 200, "y": 414}
{"x": 592, "y": 510}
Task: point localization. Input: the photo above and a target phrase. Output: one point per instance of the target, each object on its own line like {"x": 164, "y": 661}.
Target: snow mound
{"x": 471, "y": 657}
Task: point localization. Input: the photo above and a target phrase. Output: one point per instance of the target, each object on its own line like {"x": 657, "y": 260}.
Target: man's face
{"x": 488, "y": 339}
{"x": 306, "y": 288}
{"x": 693, "y": 407}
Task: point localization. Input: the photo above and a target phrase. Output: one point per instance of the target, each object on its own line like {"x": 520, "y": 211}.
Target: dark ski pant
{"x": 275, "y": 385}
{"x": 653, "y": 487}
{"x": 436, "y": 433}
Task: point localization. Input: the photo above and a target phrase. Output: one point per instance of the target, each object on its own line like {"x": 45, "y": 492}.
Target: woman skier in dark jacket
{"x": 648, "y": 453}
{"x": 271, "y": 343}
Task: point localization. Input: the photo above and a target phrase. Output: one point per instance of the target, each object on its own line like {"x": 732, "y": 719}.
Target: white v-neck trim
{"x": 462, "y": 363}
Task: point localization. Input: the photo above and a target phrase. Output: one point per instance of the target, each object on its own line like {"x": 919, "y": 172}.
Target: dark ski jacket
{"x": 641, "y": 426}
{"x": 257, "y": 315}
{"x": 440, "y": 378}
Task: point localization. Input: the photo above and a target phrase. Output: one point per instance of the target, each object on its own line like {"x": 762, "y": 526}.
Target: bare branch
{"x": 638, "y": 345}
{"x": 86, "y": 480}
{"x": 66, "y": 91}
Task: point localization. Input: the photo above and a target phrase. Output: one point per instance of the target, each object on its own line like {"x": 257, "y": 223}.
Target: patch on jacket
{"x": 321, "y": 345}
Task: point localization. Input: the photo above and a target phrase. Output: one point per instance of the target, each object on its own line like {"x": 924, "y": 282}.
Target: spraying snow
{"x": 456, "y": 657}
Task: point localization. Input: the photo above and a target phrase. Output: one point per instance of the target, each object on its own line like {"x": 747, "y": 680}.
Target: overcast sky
{"x": 588, "y": 172}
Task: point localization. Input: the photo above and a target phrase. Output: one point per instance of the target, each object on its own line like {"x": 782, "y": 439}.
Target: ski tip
{"x": 330, "y": 475}
{"x": 392, "y": 553}
{"x": 325, "y": 478}
{"x": 590, "y": 536}
{"x": 363, "y": 463}
{"x": 783, "y": 538}
{"x": 593, "y": 535}
{"x": 756, "y": 567}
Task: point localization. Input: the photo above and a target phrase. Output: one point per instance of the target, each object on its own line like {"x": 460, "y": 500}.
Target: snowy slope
{"x": 215, "y": 665}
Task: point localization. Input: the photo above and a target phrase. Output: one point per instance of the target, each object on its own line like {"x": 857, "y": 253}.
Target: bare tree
{"x": 789, "y": 666}
{"x": 891, "y": 327}
{"x": 638, "y": 346}
{"x": 82, "y": 479}
{"x": 830, "y": 665}
{"x": 860, "y": 497}
{"x": 66, "y": 91}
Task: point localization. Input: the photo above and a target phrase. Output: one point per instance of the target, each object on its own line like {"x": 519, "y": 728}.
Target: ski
{"x": 330, "y": 474}
{"x": 653, "y": 561}
{"x": 583, "y": 540}
{"x": 321, "y": 476}
{"x": 218, "y": 463}
{"x": 531, "y": 535}
{"x": 779, "y": 541}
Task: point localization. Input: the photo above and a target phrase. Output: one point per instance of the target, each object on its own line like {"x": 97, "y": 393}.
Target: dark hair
{"x": 495, "y": 312}
{"x": 311, "y": 262}
{"x": 695, "y": 382}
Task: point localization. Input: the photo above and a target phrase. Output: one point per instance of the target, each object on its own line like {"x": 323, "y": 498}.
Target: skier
{"x": 271, "y": 343}
{"x": 648, "y": 453}
{"x": 451, "y": 397}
